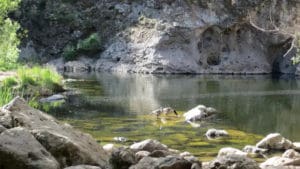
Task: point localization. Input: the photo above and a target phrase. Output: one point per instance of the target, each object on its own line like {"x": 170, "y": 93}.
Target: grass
{"x": 30, "y": 83}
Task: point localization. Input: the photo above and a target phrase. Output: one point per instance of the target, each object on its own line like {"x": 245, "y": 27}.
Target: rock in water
{"x": 148, "y": 145}
{"x": 213, "y": 133}
{"x": 67, "y": 145}
{"x": 19, "y": 149}
{"x": 275, "y": 141}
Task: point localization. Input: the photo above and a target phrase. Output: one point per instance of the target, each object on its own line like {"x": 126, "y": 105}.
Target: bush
{"x": 90, "y": 45}
{"x": 8, "y": 36}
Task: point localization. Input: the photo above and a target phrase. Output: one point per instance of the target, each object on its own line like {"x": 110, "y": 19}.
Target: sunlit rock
{"x": 148, "y": 145}
{"x": 275, "y": 141}
{"x": 213, "y": 133}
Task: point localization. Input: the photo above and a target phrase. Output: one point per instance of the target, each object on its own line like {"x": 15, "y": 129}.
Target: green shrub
{"x": 10, "y": 82}
{"x": 90, "y": 45}
{"x": 70, "y": 52}
{"x": 6, "y": 94}
{"x": 8, "y": 35}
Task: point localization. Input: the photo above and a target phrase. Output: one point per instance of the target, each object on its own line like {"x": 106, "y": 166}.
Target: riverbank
{"x": 31, "y": 83}
{"x": 30, "y": 138}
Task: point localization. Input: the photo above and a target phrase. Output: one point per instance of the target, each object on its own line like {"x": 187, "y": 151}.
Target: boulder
{"x": 199, "y": 112}
{"x": 83, "y": 167}
{"x": 290, "y": 158}
{"x": 296, "y": 146}
{"x": 229, "y": 150}
{"x": 122, "y": 158}
{"x": 232, "y": 161}
{"x": 53, "y": 98}
{"x": 69, "y": 146}
{"x": 109, "y": 148}
{"x": 141, "y": 154}
{"x": 213, "y": 133}
{"x": 2, "y": 128}
{"x": 275, "y": 141}
{"x": 253, "y": 150}
{"x": 159, "y": 153}
{"x": 19, "y": 149}
{"x": 148, "y": 145}
{"x": 162, "y": 163}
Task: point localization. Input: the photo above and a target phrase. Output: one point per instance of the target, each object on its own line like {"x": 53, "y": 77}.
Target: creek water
{"x": 118, "y": 105}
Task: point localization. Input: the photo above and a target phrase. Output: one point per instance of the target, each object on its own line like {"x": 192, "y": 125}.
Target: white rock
{"x": 296, "y": 146}
{"x": 148, "y": 145}
{"x": 254, "y": 150}
{"x": 196, "y": 113}
{"x": 212, "y": 133}
{"x": 109, "y": 148}
{"x": 141, "y": 154}
{"x": 275, "y": 141}
{"x": 229, "y": 150}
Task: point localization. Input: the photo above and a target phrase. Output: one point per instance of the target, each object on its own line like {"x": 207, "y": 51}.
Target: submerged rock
{"x": 53, "y": 98}
{"x": 67, "y": 145}
{"x": 148, "y": 145}
{"x": 19, "y": 149}
{"x": 275, "y": 141}
{"x": 213, "y": 133}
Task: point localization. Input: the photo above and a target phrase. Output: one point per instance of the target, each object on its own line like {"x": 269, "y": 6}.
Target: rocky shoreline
{"x": 30, "y": 138}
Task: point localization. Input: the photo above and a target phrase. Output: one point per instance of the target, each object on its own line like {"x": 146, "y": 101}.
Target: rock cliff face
{"x": 168, "y": 36}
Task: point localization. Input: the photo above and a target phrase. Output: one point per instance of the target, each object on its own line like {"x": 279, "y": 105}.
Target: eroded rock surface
{"x": 68, "y": 146}
{"x": 19, "y": 149}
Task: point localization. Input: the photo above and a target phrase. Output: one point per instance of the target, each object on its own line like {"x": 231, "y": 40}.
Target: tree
{"x": 8, "y": 35}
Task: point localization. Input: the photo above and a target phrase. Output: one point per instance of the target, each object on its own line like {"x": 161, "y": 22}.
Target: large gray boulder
{"x": 289, "y": 159}
{"x": 69, "y": 146}
{"x": 162, "y": 163}
{"x": 231, "y": 158}
{"x": 148, "y": 145}
{"x": 122, "y": 158}
{"x": 275, "y": 141}
{"x": 20, "y": 150}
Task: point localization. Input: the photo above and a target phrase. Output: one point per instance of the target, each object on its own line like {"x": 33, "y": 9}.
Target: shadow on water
{"x": 110, "y": 105}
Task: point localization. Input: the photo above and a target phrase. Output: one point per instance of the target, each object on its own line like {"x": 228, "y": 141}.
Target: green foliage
{"x": 296, "y": 59}
{"x": 30, "y": 83}
{"x": 69, "y": 52}
{"x": 90, "y": 45}
{"x": 8, "y": 35}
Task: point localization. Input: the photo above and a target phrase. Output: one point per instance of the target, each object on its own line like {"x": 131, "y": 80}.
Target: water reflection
{"x": 257, "y": 104}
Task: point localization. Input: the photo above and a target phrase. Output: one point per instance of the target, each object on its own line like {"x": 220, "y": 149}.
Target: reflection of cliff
{"x": 256, "y": 104}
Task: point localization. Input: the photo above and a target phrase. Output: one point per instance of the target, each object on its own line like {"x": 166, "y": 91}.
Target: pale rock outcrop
{"x": 19, "y": 149}
{"x": 290, "y": 159}
{"x": 148, "y": 145}
{"x": 275, "y": 141}
{"x": 232, "y": 161}
{"x": 67, "y": 145}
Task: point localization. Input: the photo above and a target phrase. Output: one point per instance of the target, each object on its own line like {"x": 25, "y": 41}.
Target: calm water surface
{"x": 110, "y": 105}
